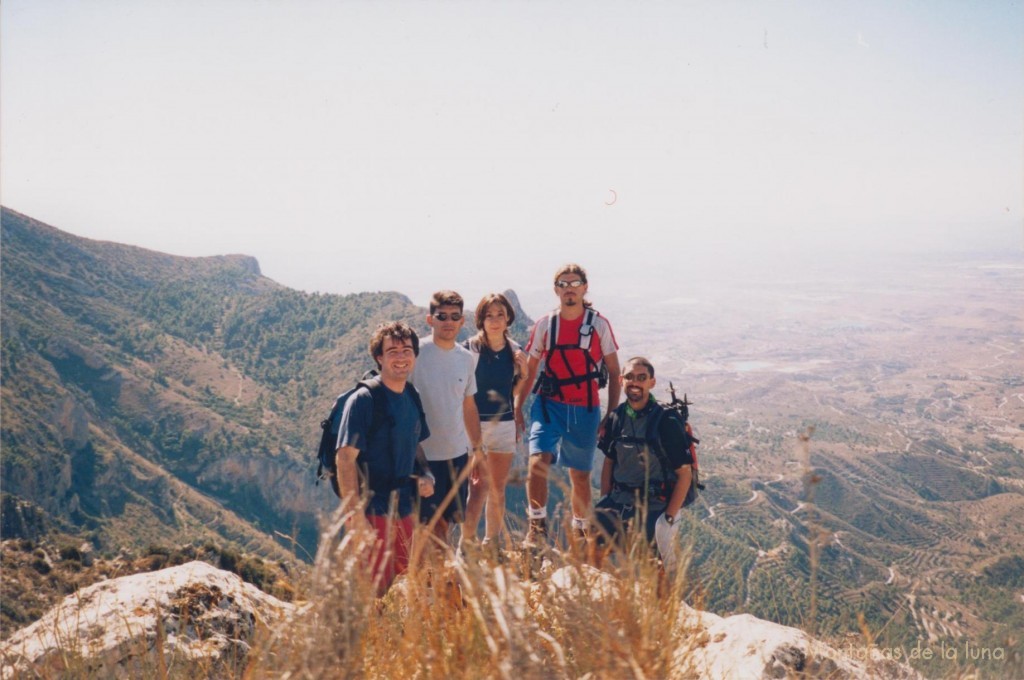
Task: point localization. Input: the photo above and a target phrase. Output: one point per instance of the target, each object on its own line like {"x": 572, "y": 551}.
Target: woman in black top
{"x": 500, "y": 363}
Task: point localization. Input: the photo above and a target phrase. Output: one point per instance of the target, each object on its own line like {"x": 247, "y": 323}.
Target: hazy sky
{"x": 377, "y": 145}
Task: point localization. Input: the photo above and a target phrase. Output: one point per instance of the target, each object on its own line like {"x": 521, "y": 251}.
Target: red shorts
{"x": 391, "y": 551}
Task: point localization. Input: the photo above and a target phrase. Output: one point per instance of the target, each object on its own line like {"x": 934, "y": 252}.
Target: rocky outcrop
{"x": 743, "y": 646}
{"x": 134, "y": 625}
{"x": 195, "y": 613}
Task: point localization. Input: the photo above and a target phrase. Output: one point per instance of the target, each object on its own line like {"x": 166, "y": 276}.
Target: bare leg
{"x": 499, "y": 463}
{"x": 537, "y": 484}
{"x": 581, "y": 495}
{"x": 478, "y": 492}
{"x": 441, "y": 530}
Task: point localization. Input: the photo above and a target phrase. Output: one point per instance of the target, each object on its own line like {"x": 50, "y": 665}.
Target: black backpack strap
{"x": 381, "y": 416}
{"x": 592, "y": 370}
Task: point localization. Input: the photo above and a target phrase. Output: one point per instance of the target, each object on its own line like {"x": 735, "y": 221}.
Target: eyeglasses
{"x": 444, "y": 316}
{"x": 637, "y": 377}
{"x": 569, "y": 284}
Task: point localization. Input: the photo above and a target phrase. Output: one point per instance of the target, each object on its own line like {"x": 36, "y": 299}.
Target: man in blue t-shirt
{"x": 388, "y": 455}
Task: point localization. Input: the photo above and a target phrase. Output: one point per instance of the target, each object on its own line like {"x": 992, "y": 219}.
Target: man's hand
{"x": 477, "y": 460}
{"x": 425, "y": 487}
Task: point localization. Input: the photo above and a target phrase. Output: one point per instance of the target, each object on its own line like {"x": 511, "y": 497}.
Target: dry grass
{"x": 482, "y": 616}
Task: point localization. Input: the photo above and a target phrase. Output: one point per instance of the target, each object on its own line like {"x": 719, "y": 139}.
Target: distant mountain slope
{"x": 149, "y": 398}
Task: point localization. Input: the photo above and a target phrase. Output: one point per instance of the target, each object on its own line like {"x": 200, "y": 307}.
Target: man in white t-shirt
{"x": 445, "y": 376}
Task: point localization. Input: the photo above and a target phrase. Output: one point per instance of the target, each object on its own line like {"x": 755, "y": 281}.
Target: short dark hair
{"x": 571, "y": 269}
{"x": 643, "y": 362}
{"x": 399, "y": 331}
{"x": 445, "y": 298}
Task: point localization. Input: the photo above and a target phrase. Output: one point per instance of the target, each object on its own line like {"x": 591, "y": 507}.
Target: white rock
{"x": 744, "y": 646}
{"x": 191, "y": 611}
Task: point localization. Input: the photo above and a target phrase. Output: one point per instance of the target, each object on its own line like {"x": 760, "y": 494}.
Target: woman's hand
{"x": 522, "y": 364}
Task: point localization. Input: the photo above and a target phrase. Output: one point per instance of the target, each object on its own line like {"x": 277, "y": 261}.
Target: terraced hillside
{"x": 906, "y": 504}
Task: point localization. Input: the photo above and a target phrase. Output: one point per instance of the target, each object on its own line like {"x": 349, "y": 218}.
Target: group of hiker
{"x": 432, "y": 437}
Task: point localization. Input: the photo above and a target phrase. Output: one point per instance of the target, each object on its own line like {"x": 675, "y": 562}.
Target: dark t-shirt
{"x": 671, "y": 432}
{"x": 387, "y": 455}
{"x": 494, "y": 378}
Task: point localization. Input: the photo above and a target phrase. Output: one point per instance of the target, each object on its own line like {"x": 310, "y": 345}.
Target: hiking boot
{"x": 581, "y": 544}
{"x": 536, "y": 534}
{"x": 490, "y": 549}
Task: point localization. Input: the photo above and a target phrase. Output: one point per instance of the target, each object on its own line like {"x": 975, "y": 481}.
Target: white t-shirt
{"x": 444, "y": 378}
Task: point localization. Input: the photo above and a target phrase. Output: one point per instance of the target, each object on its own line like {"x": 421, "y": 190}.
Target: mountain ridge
{"x": 120, "y": 363}
{"x": 164, "y": 391}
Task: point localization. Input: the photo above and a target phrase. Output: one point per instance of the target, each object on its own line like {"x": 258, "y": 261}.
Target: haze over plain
{"x": 479, "y": 146}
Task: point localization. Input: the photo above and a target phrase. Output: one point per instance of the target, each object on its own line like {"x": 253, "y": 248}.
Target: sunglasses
{"x": 444, "y": 316}
{"x": 569, "y": 284}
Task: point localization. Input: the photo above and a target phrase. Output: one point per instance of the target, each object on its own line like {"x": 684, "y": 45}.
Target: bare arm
{"x": 425, "y": 481}
{"x": 684, "y": 477}
{"x": 471, "y": 417}
{"x": 348, "y": 486}
{"x": 523, "y": 389}
{"x": 614, "y": 386}
{"x": 606, "y": 476}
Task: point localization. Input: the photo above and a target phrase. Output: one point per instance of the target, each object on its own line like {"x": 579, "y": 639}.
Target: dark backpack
{"x": 327, "y": 462}
{"x": 681, "y": 409}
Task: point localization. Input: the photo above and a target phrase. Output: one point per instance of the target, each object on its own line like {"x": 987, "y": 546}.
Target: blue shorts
{"x": 568, "y": 432}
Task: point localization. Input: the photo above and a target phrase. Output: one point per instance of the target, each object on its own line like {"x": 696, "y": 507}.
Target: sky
{"x": 357, "y": 146}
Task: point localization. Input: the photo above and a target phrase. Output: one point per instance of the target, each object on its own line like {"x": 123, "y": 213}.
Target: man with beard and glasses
{"x": 648, "y": 463}
{"x": 580, "y": 353}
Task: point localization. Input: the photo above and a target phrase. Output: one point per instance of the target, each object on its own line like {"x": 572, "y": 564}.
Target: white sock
{"x": 537, "y": 513}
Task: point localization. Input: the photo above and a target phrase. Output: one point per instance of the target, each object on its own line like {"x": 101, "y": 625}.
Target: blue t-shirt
{"x": 495, "y": 372}
{"x": 388, "y": 454}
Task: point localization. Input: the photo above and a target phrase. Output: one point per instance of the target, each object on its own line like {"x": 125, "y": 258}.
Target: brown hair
{"x": 399, "y": 331}
{"x": 445, "y": 298}
{"x": 571, "y": 269}
{"x": 643, "y": 362}
{"x": 481, "y": 312}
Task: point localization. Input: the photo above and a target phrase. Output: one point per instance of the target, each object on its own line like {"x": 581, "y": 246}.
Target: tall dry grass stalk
{"x": 492, "y": 615}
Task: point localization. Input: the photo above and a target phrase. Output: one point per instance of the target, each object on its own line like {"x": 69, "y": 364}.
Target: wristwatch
{"x": 670, "y": 519}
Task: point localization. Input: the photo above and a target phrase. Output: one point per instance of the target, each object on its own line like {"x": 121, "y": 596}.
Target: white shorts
{"x": 499, "y": 436}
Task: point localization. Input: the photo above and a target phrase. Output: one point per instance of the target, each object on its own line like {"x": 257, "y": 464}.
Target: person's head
{"x": 445, "y": 318}
{"x": 395, "y": 346}
{"x": 493, "y": 316}
{"x": 637, "y": 381}
{"x": 571, "y": 285}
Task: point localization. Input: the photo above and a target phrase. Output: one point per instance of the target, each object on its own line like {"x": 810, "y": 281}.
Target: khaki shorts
{"x": 499, "y": 436}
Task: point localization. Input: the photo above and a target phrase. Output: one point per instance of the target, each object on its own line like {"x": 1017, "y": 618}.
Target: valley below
{"x": 862, "y": 439}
